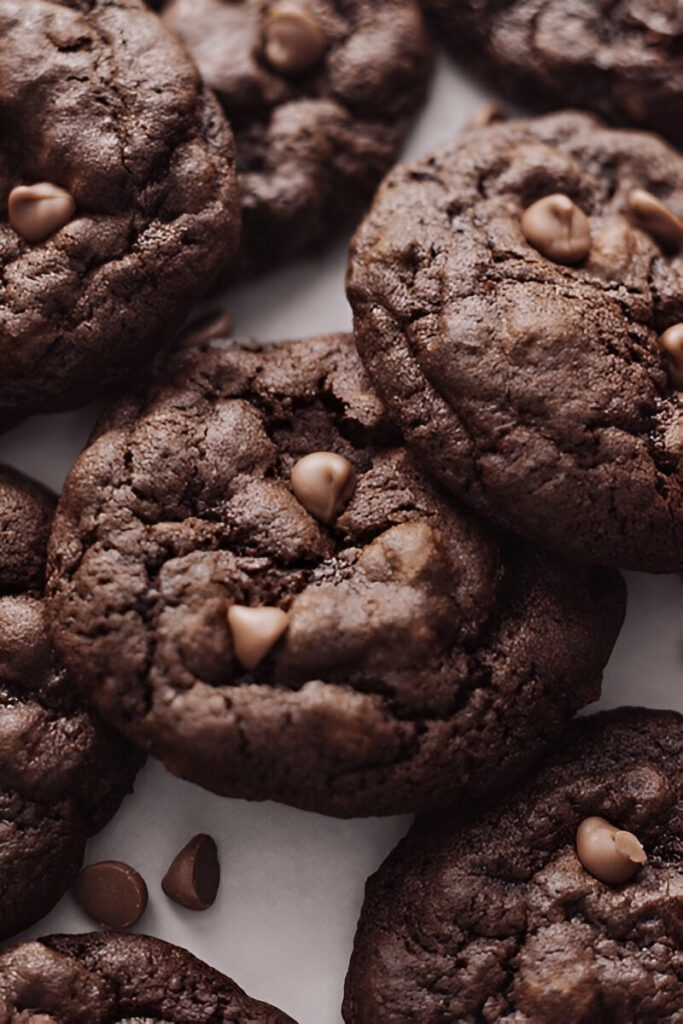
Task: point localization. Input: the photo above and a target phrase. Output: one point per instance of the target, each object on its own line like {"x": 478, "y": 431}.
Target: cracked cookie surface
{"x": 423, "y": 657}
{"x": 491, "y": 917}
{"x": 62, "y": 776}
{"x": 537, "y": 392}
{"x": 119, "y": 979}
{"x": 622, "y": 59}
{"x": 97, "y": 98}
{"x": 312, "y": 144}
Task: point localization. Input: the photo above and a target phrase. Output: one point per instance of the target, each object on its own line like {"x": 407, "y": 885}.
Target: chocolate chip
{"x": 209, "y": 327}
{"x": 489, "y": 113}
{"x": 609, "y": 854}
{"x": 323, "y": 482}
{"x": 558, "y": 229}
{"x": 193, "y": 878}
{"x": 671, "y": 342}
{"x": 654, "y": 217}
{"x": 293, "y": 41}
{"x": 37, "y": 211}
{"x": 255, "y": 631}
{"x": 112, "y": 893}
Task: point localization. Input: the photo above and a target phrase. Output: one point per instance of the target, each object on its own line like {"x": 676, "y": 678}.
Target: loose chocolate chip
{"x": 210, "y": 327}
{"x": 293, "y": 41}
{"x": 609, "y": 854}
{"x": 671, "y": 342}
{"x": 654, "y": 217}
{"x": 193, "y": 878}
{"x": 255, "y": 631}
{"x": 37, "y": 211}
{"x": 112, "y": 893}
{"x": 323, "y": 482}
{"x": 489, "y": 113}
{"x": 558, "y": 229}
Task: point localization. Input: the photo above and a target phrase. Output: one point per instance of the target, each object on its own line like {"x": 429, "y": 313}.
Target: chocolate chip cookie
{"x": 254, "y": 582}
{"x": 623, "y": 60}
{"x": 320, "y": 94}
{"x": 518, "y": 301}
{"x": 119, "y": 196}
{"x": 559, "y": 902}
{"x": 62, "y": 776}
{"x": 119, "y": 979}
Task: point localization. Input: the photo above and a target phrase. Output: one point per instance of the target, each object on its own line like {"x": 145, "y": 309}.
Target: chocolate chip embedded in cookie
{"x": 517, "y": 298}
{"x": 622, "y": 60}
{"x": 118, "y": 182}
{"x": 62, "y": 776}
{"x": 38, "y": 211}
{"x": 560, "y": 901}
{"x": 610, "y": 854}
{"x": 558, "y": 229}
{"x": 256, "y": 583}
{"x": 320, "y": 94}
{"x": 126, "y": 979}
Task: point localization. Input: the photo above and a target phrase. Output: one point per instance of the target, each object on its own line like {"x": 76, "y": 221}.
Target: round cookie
{"x": 119, "y": 196}
{"x": 320, "y": 95}
{"x": 62, "y": 776}
{"x": 514, "y": 297}
{"x": 622, "y": 60}
{"x": 255, "y": 583}
{"x": 492, "y": 917}
{"x": 120, "y": 979}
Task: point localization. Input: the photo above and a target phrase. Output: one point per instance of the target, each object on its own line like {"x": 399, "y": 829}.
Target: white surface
{"x": 292, "y": 884}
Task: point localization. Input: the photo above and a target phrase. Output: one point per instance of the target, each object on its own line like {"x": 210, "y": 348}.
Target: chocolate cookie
{"x": 254, "y": 582}
{"x": 501, "y": 916}
{"x": 320, "y": 94}
{"x": 119, "y": 195}
{"x": 623, "y": 60}
{"x": 119, "y": 979}
{"x": 518, "y": 301}
{"x": 61, "y": 775}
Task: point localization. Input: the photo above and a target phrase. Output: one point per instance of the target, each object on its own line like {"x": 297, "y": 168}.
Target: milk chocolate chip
{"x": 112, "y": 893}
{"x": 255, "y": 631}
{"x": 323, "y": 482}
{"x": 671, "y": 342}
{"x": 610, "y": 855}
{"x": 654, "y": 217}
{"x": 558, "y": 229}
{"x": 194, "y": 876}
{"x": 37, "y": 211}
{"x": 293, "y": 42}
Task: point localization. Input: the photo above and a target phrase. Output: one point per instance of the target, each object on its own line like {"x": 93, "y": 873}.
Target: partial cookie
{"x": 119, "y": 195}
{"x": 320, "y": 94}
{"x": 255, "y": 583}
{"x": 518, "y": 301}
{"x": 62, "y": 776}
{"x": 493, "y": 916}
{"x": 107, "y": 978}
{"x": 623, "y": 60}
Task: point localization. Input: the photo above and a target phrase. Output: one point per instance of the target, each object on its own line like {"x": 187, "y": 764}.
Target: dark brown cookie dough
{"x": 410, "y": 656}
{"x": 61, "y": 775}
{"x": 320, "y": 94}
{"x": 624, "y": 60}
{"x": 538, "y": 391}
{"x": 96, "y": 98}
{"x": 120, "y": 979}
{"x": 492, "y": 918}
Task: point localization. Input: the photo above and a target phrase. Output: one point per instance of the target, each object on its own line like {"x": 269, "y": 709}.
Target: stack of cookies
{"x": 364, "y": 573}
